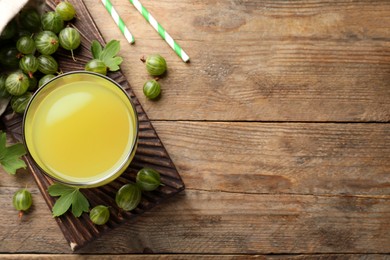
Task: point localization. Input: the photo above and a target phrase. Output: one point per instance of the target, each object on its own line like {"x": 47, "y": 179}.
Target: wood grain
{"x": 271, "y": 158}
{"x": 219, "y": 223}
{"x": 263, "y": 60}
{"x": 215, "y": 219}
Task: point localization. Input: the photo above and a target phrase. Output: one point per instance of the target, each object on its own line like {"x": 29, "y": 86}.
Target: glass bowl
{"x": 81, "y": 129}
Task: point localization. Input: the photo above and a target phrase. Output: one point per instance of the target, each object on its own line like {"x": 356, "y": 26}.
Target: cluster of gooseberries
{"x": 156, "y": 66}
{"x": 129, "y": 195}
{"x": 26, "y": 47}
{"x": 127, "y": 198}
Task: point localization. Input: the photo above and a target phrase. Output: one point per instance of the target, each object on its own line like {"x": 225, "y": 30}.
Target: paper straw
{"x": 122, "y": 27}
{"x": 164, "y": 34}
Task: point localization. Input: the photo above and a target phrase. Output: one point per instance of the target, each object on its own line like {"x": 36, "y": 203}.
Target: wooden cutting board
{"x": 150, "y": 152}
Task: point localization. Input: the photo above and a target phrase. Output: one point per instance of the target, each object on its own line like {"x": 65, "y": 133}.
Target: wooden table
{"x": 279, "y": 127}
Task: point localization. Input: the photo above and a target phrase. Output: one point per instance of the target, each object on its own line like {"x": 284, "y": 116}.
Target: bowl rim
{"x": 100, "y": 181}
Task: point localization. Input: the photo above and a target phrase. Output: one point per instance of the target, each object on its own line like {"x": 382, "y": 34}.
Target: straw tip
{"x": 184, "y": 57}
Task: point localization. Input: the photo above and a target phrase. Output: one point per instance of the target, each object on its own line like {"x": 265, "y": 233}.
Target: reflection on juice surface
{"x": 80, "y": 131}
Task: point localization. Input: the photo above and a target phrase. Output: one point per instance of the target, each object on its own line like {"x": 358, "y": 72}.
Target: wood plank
{"x": 219, "y": 223}
{"x": 269, "y": 60}
{"x": 298, "y": 158}
{"x": 199, "y": 256}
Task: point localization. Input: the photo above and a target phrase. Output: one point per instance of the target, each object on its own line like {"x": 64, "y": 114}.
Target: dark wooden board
{"x": 150, "y": 152}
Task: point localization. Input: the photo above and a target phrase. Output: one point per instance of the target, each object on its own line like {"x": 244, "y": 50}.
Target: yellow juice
{"x": 81, "y": 130}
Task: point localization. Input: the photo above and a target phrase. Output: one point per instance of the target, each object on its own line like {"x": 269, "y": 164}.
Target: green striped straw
{"x": 164, "y": 34}
{"x": 122, "y": 27}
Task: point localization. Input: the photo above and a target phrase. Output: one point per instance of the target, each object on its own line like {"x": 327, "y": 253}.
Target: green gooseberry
{"x": 66, "y": 10}
{"x": 30, "y": 19}
{"x": 9, "y": 57}
{"x": 47, "y": 64}
{"x": 156, "y": 65}
{"x": 19, "y": 103}
{"x": 52, "y": 21}
{"x": 97, "y": 66}
{"x": 99, "y": 215}
{"x": 148, "y": 179}
{"x": 45, "y": 79}
{"x": 46, "y": 42}
{"x": 22, "y": 201}
{"x": 128, "y": 197}
{"x": 152, "y": 89}
{"x": 29, "y": 64}
{"x": 70, "y": 39}
{"x": 17, "y": 83}
{"x": 26, "y": 45}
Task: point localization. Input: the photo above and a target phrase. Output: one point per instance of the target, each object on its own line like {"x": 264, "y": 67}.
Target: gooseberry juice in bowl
{"x": 81, "y": 129}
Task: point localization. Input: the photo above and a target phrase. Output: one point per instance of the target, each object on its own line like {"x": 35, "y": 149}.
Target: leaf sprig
{"x": 69, "y": 197}
{"x": 108, "y": 54}
{"x": 10, "y": 156}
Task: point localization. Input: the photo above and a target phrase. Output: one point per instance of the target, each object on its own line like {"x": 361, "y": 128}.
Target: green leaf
{"x": 107, "y": 54}
{"x": 113, "y": 63}
{"x": 62, "y": 204}
{"x": 16, "y": 150}
{"x": 10, "y": 156}
{"x": 10, "y": 165}
{"x": 69, "y": 197}
{"x": 80, "y": 204}
{"x": 3, "y": 140}
{"x": 111, "y": 50}
{"x": 58, "y": 189}
{"x": 96, "y": 49}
